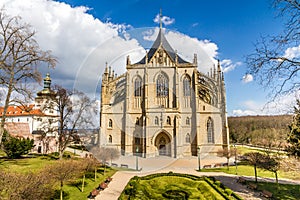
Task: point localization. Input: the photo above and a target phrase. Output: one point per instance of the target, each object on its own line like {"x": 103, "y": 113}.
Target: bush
{"x": 15, "y": 147}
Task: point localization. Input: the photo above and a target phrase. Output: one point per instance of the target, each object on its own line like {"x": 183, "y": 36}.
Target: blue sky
{"x": 232, "y": 25}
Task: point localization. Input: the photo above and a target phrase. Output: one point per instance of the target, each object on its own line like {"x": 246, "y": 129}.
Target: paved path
{"x": 159, "y": 165}
{"x": 181, "y": 165}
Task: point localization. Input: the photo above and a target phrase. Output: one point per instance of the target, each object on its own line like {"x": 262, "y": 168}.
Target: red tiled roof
{"x": 18, "y": 129}
{"x": 21, "y": 111}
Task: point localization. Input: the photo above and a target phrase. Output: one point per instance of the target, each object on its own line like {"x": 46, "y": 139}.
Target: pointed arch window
{"x": 110, "y": 123}
{"x": 137, "y": 121}
{"x": 187, "y": 138}
{"x": 186, "y": 86}
{"x": 138, "y": 87}
{"x": 162, "y": 86}
{"x": 169, "y": 120}
{"x": 210, "y": 131}
{"x": 187, "y": 121}
{"x": 110, "y": 139}
{"x": 156, "y": 121}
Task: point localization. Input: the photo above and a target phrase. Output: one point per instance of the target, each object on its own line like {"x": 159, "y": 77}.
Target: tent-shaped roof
{"x": 161, "y": 41}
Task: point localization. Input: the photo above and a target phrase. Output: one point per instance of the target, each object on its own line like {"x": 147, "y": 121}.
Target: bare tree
{"x": 64, "y": 171}
{"x": 291, "y": 164}
{"x": 227, "y": 153}
{"x": 89, "y": 164}
{"x": 255, "y": 159}
{"x": 29, "y": 186}
{"x": 113, "y": 154}
{"x": 104, "y": 154}
{"x": 20, "y": 57}
{"x": 273, "y": 64}
{"x": 75, "y": 112}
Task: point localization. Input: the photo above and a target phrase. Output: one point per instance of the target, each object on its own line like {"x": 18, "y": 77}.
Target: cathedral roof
{"x": 162, "y": 42}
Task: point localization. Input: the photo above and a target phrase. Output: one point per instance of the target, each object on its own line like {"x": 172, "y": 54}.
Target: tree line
{"x": 260, "y": 130}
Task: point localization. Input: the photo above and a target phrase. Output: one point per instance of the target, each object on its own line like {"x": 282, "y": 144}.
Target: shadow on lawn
{"x": 286, "y": 190}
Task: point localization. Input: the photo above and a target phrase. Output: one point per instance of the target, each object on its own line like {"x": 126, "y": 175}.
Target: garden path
{"x": 182, "y": 165}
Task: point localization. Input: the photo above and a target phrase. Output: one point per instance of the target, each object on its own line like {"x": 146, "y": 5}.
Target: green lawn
{"x": 37, "y": 162}
{"x": 247, "y": 170}
{"x": 74, "y": 189}
{"x": 284, "y": 191}
{"x": 26, "y": 164}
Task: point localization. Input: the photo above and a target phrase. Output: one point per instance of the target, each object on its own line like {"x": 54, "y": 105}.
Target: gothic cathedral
{"x": 163, "y": 106}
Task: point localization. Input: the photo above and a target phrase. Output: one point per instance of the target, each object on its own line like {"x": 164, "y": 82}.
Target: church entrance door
{"x": 163, "y": 144}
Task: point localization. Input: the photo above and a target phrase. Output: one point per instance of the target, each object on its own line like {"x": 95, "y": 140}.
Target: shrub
{"x": 15, "y": 147}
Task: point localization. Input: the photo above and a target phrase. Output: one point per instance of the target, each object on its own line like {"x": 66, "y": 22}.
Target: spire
{"x": 195, "y": 58}
{"x": 128, "y": 62}
{"x": 219, "y": 66}
{"x": 106, "y": 69}
{"x": 160, "y": 19}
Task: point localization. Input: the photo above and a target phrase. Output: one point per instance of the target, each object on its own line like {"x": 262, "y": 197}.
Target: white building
{"x": 34, "y": 120}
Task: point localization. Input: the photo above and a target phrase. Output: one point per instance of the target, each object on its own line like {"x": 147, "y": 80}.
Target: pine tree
{"x": 294, "y": 135}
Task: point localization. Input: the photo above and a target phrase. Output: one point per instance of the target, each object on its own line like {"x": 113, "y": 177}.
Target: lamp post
{"x": 137, "y": 161}
{"x": 235, "y": 159}
{"x": 199, "y": 158}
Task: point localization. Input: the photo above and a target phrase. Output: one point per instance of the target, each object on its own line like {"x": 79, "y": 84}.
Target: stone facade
{"x": 163, "y": 106}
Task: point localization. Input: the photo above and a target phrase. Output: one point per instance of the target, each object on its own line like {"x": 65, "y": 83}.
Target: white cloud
{"x": 151, "y": 34}
{"x": 186, "y": 47}
{"x": 247, "y": 78}
{"x": 240, "y": 112}
{"x": 227, "y": 65}
{"x": 280, "y": 106}
{"x": 195, "y": 24}
{"x": 292, "y": 52}
{"x": 81, "y": 43}
{"x": 164, "y": 19}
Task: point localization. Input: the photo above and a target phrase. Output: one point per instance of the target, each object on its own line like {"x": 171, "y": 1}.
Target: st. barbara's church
{"x": 163, "y": 106}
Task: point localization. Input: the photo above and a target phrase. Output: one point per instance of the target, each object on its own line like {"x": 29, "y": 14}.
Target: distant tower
{"x": 45, "y": 95}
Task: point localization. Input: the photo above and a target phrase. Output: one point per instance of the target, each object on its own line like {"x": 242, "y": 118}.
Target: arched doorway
{"x": 163, "y": 144}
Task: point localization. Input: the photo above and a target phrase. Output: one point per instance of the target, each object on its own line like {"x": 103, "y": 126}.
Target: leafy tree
{"x": 255, "y": 159}
{"x": 271, "y": 63}
{"x": 20, "y": 55}
{"x": 293, "y": 137}
{"x": 14, "y": 147}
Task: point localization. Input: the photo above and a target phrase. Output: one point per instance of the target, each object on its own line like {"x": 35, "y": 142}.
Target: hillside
{"x": 259, "y": 130}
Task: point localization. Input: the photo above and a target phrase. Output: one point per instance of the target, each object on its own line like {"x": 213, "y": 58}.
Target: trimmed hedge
{"x": 132, "y": 186}
{"x": 224, "y": 191}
